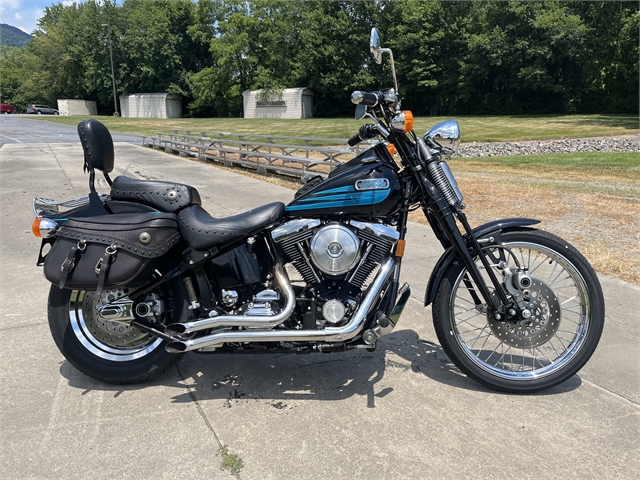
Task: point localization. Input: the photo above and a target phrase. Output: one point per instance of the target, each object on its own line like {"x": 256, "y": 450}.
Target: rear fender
{"x": 491, "y": 229}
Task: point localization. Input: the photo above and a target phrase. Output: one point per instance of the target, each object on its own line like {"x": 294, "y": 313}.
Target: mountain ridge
{"x": 11, "y": 36}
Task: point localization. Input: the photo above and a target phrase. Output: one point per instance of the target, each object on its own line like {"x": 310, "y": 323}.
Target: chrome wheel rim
{"x": 105, "y": 339}
{"x": 552, "y": 345}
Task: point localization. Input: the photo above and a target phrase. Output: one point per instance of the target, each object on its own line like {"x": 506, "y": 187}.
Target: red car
{"x": 6, "y": 108}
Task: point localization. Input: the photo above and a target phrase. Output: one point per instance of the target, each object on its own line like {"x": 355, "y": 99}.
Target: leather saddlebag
{"x": 109, "y": 251}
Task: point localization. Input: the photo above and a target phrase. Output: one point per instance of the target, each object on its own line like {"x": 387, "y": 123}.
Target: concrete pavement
{"x": 401, "y": 412}
{"x": 29, "y": 129}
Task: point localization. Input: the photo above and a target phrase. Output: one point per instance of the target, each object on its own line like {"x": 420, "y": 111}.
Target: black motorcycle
{"x": 145, "y": 274}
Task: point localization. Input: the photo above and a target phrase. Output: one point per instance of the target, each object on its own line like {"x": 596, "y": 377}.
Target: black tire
{"x": 105, "y": 350}
{"x": 39, "y": 112}
{"x": 534, "y": 354}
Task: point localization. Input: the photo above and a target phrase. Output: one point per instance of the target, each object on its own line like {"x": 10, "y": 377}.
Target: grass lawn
{"x": 474, "y": 129}
{"x": 616, "y": 167}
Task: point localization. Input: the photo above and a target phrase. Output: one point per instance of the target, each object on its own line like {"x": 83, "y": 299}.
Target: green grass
{"x": 625, "y": 163}
{"x": 474, "y": 129}
{"x": 230, "y": 462}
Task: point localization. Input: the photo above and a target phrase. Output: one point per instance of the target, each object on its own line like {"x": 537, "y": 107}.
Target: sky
{"x": 24, "y": 14}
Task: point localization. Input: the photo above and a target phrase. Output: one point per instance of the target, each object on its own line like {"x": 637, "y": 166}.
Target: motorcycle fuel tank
{"x": 366, "y": 186}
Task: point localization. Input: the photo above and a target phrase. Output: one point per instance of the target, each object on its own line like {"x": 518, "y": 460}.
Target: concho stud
{"x": 144, "y": 238}
{"x": 172, "y": 195}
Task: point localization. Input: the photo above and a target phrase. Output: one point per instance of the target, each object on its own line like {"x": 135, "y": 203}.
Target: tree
{"x": 452, "y": 57}
{"x": 610, "y": 71}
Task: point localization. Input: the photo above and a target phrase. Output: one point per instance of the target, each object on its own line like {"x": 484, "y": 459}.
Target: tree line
{"x": 452, "y": 57}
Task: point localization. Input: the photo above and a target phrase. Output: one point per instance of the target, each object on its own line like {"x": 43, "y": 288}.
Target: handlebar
{"x": 353, "y": 141}
{"x": 366, "y": 132}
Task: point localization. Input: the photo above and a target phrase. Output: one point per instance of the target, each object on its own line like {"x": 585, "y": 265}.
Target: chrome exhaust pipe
{"x": 330, "y": 334}
{"x": 243, "y": 320}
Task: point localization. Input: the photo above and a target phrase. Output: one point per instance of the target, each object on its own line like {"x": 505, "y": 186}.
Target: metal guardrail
{"x": 298, "y": 157}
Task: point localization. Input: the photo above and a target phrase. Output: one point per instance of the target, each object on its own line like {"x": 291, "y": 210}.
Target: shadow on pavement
{"x": 319, "y": 377}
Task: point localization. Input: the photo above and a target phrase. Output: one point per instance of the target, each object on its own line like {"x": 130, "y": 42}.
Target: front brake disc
{"x": 536, "y": 330}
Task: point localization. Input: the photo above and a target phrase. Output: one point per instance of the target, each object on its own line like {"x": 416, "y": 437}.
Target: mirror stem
{"x": 393, "y": 68}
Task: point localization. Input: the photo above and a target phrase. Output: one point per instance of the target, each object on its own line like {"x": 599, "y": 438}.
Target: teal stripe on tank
{"x": 343, "y": 196}
{"x": 348, "y": 188}
{"x": 370, "y": 197}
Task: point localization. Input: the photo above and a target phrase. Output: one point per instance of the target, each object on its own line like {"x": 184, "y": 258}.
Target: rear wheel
{"x": 566, "y": 308}
{"x": 101, "y": 345}
{"x": 39, "y": 112}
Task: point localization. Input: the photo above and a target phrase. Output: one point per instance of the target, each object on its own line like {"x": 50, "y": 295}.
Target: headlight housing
{"x": 445, "y": 135}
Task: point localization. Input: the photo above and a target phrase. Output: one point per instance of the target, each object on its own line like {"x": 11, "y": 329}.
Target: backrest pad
{"x": 97, "y": 144}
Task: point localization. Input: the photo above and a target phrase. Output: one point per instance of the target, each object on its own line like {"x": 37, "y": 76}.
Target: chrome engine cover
{"x": 335, "y": 249}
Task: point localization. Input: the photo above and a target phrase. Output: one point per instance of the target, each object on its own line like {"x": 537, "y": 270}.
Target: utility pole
{"x": 113, "y": 77}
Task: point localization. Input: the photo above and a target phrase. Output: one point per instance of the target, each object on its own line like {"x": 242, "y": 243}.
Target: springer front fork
{"x": 506, "y": 301}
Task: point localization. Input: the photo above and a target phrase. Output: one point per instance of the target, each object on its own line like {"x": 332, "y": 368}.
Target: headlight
{"x": 445, "y": 134}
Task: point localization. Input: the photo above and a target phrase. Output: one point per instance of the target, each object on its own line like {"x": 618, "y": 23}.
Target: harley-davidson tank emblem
{"x": 372, "y": 184}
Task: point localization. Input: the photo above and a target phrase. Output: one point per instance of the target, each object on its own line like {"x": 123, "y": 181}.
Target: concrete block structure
{"x": 77, "y": 107}
{"x": 291, "y": 103}
{"x": 151, "y": 105}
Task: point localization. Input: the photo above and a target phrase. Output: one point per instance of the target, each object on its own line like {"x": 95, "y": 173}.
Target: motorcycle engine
{"x": 335, "y": 259}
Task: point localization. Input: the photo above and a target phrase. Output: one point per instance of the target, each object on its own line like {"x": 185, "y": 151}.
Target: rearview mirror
{"x": 361, "y": 111}
{"x": 377, "y": 51}
{"x": 374, "y": 46}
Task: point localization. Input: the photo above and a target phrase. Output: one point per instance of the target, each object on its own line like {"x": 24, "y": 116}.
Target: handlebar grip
{"x": 353, "y": 141}
{"x": 371, "y": 99}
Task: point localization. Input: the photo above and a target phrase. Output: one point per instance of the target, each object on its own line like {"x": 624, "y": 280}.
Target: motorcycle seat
{"x": 202, "y": 231}
{"x": 168, "y": 197}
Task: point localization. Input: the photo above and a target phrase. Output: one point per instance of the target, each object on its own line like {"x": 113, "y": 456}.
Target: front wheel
{"x": 103, "y": 346}
{"x": 566, "y": 308}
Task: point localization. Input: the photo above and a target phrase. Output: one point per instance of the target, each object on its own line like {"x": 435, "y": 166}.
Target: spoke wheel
{"x": 524, "y": 355}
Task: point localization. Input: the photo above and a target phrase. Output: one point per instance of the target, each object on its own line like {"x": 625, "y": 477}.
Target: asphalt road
{"x": 402, "y": 411}
{"x": 25, "y": 129}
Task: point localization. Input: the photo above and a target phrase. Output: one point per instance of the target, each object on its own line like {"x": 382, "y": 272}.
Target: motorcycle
{"x": 145, "y": 274}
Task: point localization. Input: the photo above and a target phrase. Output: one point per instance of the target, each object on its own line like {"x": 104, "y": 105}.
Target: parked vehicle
{"x": 42, "y": 110}
{"x": 6, "y": 108}
{"x": 145, "y": 274}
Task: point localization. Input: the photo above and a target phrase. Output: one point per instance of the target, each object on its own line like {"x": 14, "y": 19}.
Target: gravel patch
{"x": 540, "y": 147}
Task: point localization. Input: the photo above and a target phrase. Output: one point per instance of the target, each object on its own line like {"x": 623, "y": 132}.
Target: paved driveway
{"x": 401, "y": 412}
{"x": 26, "y": 129}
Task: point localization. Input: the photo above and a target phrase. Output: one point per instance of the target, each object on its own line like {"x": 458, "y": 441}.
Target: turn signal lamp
{"x": 391, "y": 149}
{"x": 408, "y": 121}
{"x": 403, "y": 121}
{"x": 43, "y": 227}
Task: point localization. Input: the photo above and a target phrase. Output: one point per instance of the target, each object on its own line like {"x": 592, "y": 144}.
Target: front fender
{"x": 447, "y": 257}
